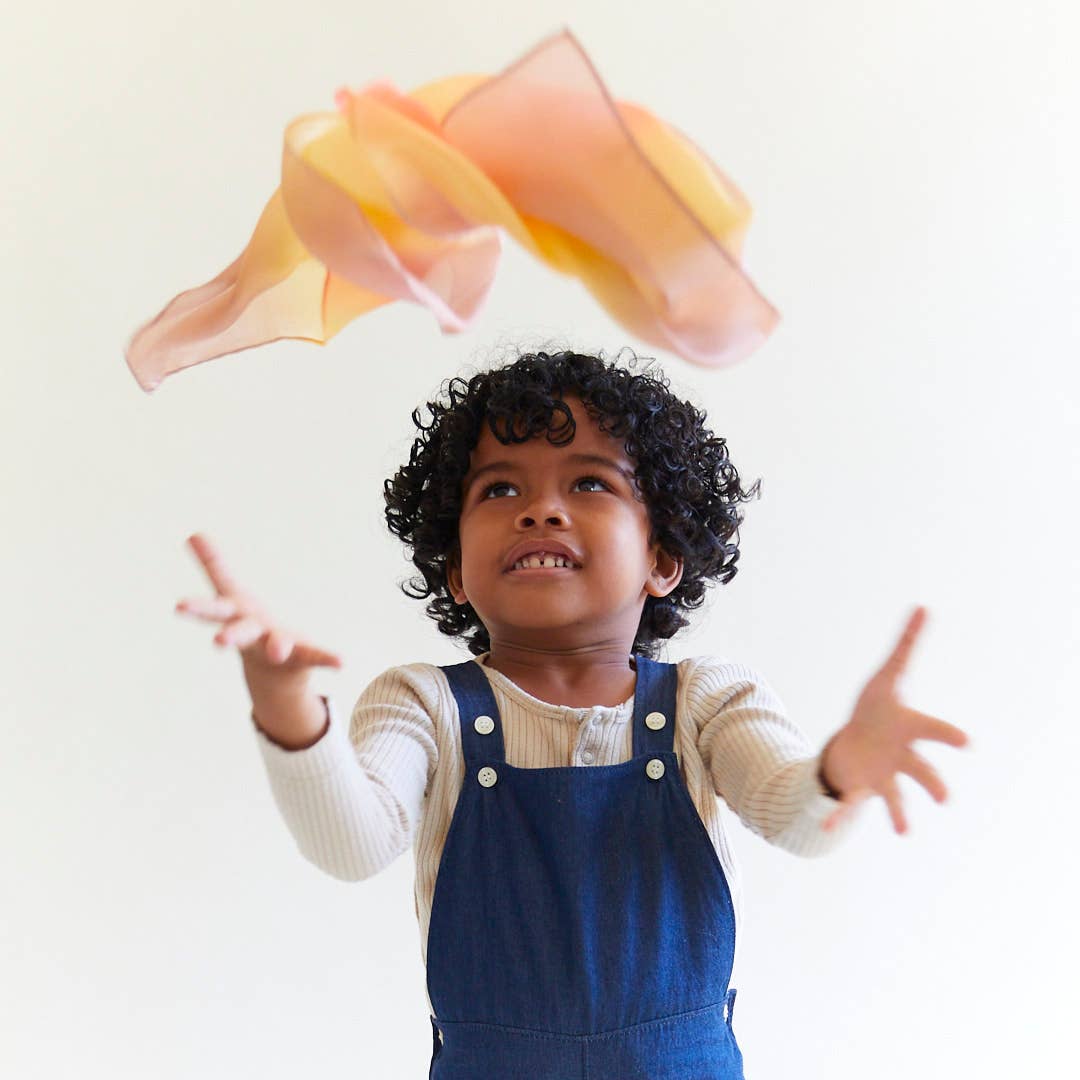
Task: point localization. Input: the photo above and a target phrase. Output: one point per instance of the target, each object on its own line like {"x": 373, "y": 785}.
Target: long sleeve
{"x": 760, "y": 761}
{"x": 353, "y": 799}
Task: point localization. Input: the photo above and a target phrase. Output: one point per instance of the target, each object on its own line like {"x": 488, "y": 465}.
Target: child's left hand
{"x": 863, "y": 757}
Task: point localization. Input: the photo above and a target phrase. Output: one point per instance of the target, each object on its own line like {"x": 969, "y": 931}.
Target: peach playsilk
{"x": 406, "y": 197}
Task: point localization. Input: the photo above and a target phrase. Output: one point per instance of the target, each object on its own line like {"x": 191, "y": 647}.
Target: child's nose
{"x": 547, "y": 511}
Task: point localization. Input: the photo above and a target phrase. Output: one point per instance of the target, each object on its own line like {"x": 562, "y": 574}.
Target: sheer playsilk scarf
{"x": 405, "y": 197}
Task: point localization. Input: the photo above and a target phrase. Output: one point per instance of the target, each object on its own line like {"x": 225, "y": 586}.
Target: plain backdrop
{"x": 913, "y": 170}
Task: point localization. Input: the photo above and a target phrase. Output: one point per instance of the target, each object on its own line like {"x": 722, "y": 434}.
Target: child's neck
{"x": 578, "y": 678}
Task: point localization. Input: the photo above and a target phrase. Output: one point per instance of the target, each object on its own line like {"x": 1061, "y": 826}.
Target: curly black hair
{"x": 682, "y": 471}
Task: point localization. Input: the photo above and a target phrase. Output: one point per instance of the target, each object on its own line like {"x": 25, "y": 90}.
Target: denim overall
{"x": 581, "y": 926}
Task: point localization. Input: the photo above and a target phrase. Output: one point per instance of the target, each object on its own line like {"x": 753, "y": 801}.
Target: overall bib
{"x": 581, "y": 926}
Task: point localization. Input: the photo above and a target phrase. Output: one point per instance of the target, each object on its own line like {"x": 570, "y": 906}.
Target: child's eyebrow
{"x": 577, "y": 459}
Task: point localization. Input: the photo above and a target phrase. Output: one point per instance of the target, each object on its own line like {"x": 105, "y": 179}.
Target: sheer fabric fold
{"x": 407, "y": 197}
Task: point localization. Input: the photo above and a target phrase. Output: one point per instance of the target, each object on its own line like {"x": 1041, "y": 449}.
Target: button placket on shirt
{"x": 588, "y": 748}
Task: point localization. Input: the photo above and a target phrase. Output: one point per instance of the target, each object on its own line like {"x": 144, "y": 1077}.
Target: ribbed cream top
{"x": 357, "y": 799}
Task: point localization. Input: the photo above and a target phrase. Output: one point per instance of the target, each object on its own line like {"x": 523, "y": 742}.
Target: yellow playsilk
{"x": 405, "y": 197}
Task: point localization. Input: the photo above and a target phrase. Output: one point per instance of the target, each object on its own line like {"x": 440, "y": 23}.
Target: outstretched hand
{"x": 864, "y": 757}
{"x": 269, "y": 651}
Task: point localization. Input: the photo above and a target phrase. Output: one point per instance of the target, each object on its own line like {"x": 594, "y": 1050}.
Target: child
{"x": 577, "y": 899}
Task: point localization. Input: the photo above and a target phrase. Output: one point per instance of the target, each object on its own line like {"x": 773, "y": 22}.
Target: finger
{"x": 317, "y": 657}
{"x": 213, "y": 609}
{"x": 281, "y": 645}
{"x": 918, "y": 768}
{"x": 242, "y": 632}
{"x": 896, "y": 806}
{"x": 897, "y": 662}
{"x": 930, "y": 727}
{"x": 208, "y": 554}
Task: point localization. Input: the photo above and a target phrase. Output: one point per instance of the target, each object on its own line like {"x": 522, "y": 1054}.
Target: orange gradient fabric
{"x": 407, "y": 196}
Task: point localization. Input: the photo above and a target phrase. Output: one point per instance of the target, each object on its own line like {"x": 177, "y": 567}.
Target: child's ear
{"x": 453, "y": 579}
{"x": 666, "y": 573}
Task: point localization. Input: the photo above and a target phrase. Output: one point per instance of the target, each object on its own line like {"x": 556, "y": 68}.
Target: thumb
{"x": 279, "y": 647}
{"x": 848, "y": 804}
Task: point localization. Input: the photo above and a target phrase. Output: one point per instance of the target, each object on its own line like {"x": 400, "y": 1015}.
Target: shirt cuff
{"x": 819, "y": 774}
{"x": 320, "y": 758}
{"x": 818, "y": 807}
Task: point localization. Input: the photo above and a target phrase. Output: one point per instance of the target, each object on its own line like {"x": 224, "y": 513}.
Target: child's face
{"x": 558, "y": 493}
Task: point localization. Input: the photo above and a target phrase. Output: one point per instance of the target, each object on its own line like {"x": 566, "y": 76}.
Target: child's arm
{"x": 353, "y": 800}
{"x": 765, "y": 769}
{"x": 760, "y": 761}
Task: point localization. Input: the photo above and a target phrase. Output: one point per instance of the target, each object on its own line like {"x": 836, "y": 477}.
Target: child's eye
{"x": 486, "y": 493}
{"x": 591, "y": 480}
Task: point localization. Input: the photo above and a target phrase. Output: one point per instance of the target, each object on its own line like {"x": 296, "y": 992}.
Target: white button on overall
{"x": 487, "y": 776}
{"x": 655, "y": 720}
{"x": 655, "y": 769}
{"x": 484, "y": 724}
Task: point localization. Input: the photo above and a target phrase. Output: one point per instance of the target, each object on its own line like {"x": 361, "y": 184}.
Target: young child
{"x": 577, "y": 898}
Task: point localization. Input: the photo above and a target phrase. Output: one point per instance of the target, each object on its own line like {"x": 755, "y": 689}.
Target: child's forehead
{"x": 587, "y": 439}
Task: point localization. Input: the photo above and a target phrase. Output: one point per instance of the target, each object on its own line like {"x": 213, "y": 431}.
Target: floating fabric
{"x": 406, "y": 197}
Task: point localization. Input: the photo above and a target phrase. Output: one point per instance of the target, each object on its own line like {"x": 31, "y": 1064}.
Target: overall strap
{"x": 481, "y": 727}
{"x": 654, "y": 706}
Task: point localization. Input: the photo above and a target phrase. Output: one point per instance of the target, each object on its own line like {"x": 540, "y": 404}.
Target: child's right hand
{"x": 273, "y": 657}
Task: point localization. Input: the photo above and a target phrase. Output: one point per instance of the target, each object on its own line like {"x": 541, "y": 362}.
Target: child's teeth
{"x": 535, "y": 562}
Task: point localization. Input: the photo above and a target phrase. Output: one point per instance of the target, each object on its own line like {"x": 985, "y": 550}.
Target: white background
{"x": 914, "y": 172}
